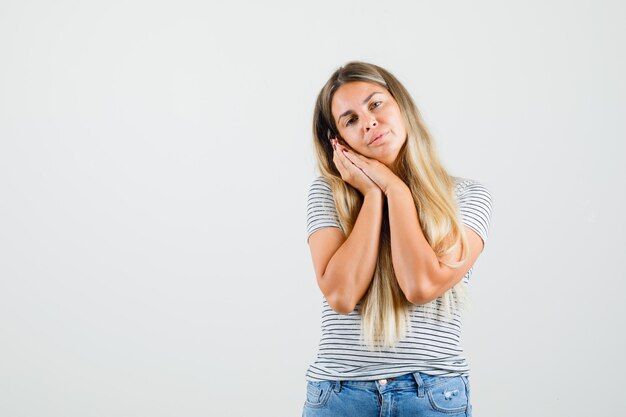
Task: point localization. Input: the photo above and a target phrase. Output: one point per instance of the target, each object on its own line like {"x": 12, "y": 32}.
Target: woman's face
{"x": 369, "y": 120}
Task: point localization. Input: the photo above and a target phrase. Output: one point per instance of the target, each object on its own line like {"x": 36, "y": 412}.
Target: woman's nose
{"x": 372, "y": 123}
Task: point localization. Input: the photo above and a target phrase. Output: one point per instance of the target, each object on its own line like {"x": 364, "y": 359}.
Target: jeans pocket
{"x": 448, "y": 394}
{"x": 317, "y": 393}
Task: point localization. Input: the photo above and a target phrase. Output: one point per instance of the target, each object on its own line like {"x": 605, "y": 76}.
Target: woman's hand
{"x": 350, "y": 173}
{"x": 375, "y": 170}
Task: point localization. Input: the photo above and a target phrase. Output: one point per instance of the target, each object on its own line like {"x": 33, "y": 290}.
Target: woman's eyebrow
{"x": 347, "y": 112}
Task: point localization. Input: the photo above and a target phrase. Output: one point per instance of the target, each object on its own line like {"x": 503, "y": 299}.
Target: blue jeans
{"x": 413, "y": 394}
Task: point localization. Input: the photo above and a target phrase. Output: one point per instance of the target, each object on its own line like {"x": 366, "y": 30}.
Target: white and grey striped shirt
{"x": 432, "y": 346}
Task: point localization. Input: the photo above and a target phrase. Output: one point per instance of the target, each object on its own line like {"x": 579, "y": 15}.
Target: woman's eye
{"x": 350, "y": 121}
{"x": 376, "y": 104}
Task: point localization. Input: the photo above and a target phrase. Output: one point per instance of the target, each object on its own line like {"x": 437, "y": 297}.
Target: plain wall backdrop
{"x": 155, "y": 158}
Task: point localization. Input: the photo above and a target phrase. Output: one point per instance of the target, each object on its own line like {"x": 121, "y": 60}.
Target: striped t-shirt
{"x": 432, "y": 344}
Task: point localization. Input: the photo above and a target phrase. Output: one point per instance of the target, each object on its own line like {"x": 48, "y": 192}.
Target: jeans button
{"x": 382, "y": 381}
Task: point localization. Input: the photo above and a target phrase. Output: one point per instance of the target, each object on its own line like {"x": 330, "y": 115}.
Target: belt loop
{"x": 420, "y": 384}
{"x": 337, "y": 386}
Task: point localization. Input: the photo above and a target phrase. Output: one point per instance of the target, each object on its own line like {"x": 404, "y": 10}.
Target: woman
{"x": 393, "y": 238}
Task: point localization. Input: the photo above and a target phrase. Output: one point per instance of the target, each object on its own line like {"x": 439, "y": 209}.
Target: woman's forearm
{"x": 351, "y": 269}
{"x": 413, "y": 258}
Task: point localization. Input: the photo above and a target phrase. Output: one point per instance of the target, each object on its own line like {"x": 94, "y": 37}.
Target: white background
{"x": 154, "y": 162}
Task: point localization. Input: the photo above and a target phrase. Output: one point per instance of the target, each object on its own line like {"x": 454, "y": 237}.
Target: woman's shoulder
{"x": 470, "y": 192}
{"x": 320, "y": 184}
{"x": 320, "y": 180}
{"x": 464, "y": 184}
{"x": 463, "y": 180}
{"x": 475, "y": 205}
{"x": 320, "y": 189}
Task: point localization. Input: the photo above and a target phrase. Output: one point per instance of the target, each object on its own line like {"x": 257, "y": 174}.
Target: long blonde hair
{"x": 384, "y": 308}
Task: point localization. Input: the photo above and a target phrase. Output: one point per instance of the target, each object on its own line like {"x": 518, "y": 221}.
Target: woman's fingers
{"x": 354, "y": 157}
{"x": 348, "y": 164}
{"x": 346, "y": 152}
{"x": 351, "y": 173}
{"x": 351, "y": 170}
{"x": 350, "y": 157}
{"x": 344, "y": 160}
{"x": 342, "y": 165}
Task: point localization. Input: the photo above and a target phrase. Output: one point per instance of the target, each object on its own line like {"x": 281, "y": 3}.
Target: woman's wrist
{"x": 374, "y": 191}
{"x": 395, "y": 187}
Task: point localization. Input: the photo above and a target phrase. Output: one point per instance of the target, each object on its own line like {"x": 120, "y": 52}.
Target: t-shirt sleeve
{"x": 320, "y": 211}
{"x": 475, "y": 207}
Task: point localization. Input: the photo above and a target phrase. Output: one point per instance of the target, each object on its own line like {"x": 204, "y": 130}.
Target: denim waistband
{"x": 417, "y": 380}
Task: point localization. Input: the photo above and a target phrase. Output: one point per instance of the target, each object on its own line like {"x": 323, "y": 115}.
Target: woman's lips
{"x": 378, "y": 138}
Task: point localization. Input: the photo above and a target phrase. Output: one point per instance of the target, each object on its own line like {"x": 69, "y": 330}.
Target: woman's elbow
{"x": 340, "y": 303}
{"x": 422, "y": 294}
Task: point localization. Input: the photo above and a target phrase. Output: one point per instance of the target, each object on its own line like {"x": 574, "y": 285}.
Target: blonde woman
{"x": 393, "y": 238}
